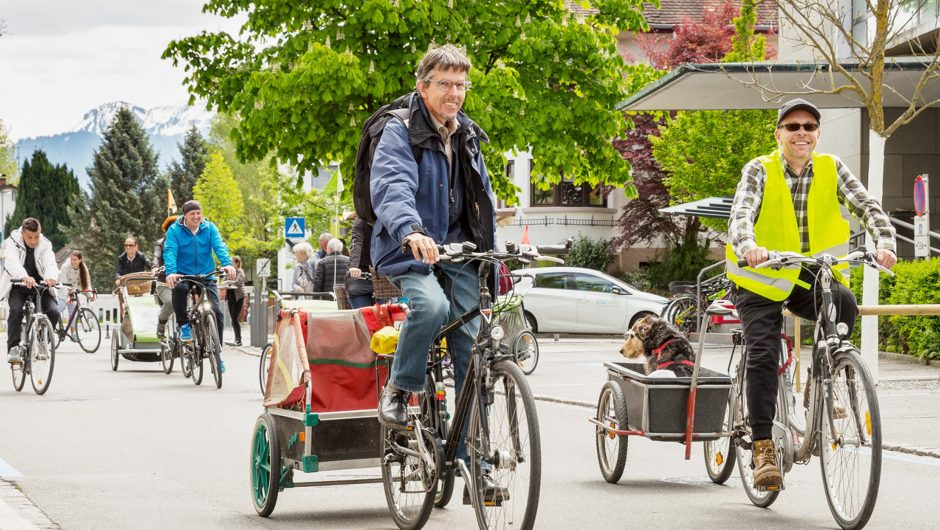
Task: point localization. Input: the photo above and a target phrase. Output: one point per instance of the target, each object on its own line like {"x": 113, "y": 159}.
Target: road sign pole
{"x": 922, "y": 217}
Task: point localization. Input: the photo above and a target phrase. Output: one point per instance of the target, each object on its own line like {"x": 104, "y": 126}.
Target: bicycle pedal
{"x": 770, "y": 488}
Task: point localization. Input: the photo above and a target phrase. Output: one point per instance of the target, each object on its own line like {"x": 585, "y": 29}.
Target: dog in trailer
{"x": 663, "y": 346}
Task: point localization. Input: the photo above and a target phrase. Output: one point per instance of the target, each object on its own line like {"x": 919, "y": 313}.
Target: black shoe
{"x": 238, "y": 342}
{"x": 393, "y": 408}
{"x": 493, "y": 493}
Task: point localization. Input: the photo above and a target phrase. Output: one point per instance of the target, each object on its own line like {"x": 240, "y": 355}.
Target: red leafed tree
{"x": 707, "y": 40}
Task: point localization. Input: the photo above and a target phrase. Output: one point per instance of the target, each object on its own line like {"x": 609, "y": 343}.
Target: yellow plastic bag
{"x": 385, "y": 340}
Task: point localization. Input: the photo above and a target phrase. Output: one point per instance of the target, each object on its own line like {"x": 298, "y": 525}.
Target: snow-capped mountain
{"x": 165, "y": 121}
{"x": 165, "y": 126}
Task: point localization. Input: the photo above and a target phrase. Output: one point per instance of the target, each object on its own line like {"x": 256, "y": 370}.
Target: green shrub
{"x": 915, "y": 282}
{"x": 590, "y": 254}
{"x": 681, "y": 263}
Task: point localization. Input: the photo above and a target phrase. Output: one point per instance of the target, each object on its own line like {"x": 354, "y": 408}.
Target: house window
{"x": 568, "y": 193}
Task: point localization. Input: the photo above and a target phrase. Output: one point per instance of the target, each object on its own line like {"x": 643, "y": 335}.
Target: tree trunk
{"x": 876, "y": 166}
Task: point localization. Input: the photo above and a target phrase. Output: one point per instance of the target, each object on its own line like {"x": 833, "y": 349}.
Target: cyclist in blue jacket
{"x": 188, "y": 248}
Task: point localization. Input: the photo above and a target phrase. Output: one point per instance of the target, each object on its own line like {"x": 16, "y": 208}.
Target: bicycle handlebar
{"x": 788, "y": 259}
{"x": 457, "y": 252}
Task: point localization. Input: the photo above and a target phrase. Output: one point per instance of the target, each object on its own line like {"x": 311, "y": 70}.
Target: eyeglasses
{"x": 129, "y": 245}
{"x": 447, "y": 84}
{"x": 793, "y": 127}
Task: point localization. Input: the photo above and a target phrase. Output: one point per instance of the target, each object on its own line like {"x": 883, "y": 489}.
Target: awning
{"x": 733, "y": 86}
{"x": 716, "y": 207}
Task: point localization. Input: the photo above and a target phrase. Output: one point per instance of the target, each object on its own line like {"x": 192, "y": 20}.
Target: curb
{"x": 18, "y": 512}
{"x": 929, "y": 452}
{"x": 907, "y": 359}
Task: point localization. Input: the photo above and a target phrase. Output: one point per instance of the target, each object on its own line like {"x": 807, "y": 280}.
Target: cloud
{"x": 50, "y": 79}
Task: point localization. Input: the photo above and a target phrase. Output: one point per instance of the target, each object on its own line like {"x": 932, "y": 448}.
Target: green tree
{"x": 7, "y": 155}
{"x": 304, "y": 76}
{"x": 45, "y": 192}
{"x": 125, "y": 199}
{"x": 221, "y": 200}
{"x": 183, "y": 174}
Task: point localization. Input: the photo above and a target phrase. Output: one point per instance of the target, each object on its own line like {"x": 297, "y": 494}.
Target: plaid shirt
{"x": 747, "y": 202}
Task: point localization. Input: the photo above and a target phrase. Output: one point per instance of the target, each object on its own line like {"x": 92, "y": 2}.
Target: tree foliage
{"x": 221, "y": 200}
{"x": 589, "y": 253}
{"x": 183, "y": 174}
{"x": 127, "y": 198}
{"x": 45, "y": 192}
{"x": 7, "y": 155}
{"x": 706, "y": 40}
{"x": 304, "y": 76}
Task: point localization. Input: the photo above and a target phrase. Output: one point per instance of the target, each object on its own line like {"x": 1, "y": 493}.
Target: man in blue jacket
{"x": 429, "y": 186}
{"x": 188, "y": 249}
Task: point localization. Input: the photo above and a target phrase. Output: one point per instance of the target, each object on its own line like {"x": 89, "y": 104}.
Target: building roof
{"x": 675, "y": 12}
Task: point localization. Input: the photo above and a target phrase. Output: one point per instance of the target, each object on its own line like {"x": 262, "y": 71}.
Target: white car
{"x": 576, "y": 300}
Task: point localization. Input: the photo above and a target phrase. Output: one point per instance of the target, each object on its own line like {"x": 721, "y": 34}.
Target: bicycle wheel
{"x": 263, "y": 367}
{"x": 850, "y": 441}
{"x": 526, "y": 350}
{"x": 719, "y": 454}
{"x": 410, "y": 481}
{"x": 167, "y": 347}
{"x": 504, "y": 444}
{"x": 186, "y": 359}
{"x": 743, "y": 453}
{"x": 212, "y": 347}
{"x": 611, "y": 448}
{"x": 196, "y": 354}
{"x": 265, "y": 465}
{"x": 88, "y": 330}
{"x": 681, "y": 312}
{"x": 18, "y": 371}
{"x": 41, "y": 355}
{"x": 115, "y": 355}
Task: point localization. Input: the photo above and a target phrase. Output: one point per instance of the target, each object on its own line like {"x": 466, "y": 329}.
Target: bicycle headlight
{"x": 842, "y": 329}
{"x": 497, "y": 333}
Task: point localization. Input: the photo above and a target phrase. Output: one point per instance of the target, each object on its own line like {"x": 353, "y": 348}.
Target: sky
{"x": 62, "y": 58}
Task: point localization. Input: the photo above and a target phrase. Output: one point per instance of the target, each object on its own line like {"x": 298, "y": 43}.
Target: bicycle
{"x": 842, "y": 424}
{"x": 502, "y": 440}
{"x": 685, "y": 310}
{"x": 37, "y": 345}
{"x": 205, "y": 331}
{"x": 81, "y": 326}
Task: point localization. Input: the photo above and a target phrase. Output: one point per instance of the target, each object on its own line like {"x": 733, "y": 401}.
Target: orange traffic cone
{"x": 525, "y": 236}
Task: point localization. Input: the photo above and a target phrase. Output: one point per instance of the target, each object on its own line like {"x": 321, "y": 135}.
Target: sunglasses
{"x": 793, "y": 127}
{"x": 129, "y": 245}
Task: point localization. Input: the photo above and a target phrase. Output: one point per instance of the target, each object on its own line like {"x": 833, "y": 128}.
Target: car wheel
{"x": 638, "y": 316}
{"x": 533, "y": 325}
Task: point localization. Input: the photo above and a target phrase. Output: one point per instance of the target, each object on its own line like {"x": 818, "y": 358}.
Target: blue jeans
{"x": 360, "y": 300}
{"x": 181, "y": 291}
{"x": 433, "y": 305}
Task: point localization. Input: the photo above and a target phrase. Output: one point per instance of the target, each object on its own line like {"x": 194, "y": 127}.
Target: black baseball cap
{"x": 796, "y": 104}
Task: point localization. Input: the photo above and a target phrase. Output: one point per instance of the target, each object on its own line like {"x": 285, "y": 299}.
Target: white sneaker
{"x": 14, "y": 357}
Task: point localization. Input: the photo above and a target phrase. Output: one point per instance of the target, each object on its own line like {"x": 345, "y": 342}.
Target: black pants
{"x": 17, "y": 298}
{"x": 235, "y": 309}
{"x": 180, "y": 294}
{"x": 762, "y": 321}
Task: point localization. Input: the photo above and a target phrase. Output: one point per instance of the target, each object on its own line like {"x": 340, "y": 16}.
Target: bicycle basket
{"x": 508, "y": 314}
{"x": 382, "y": 287}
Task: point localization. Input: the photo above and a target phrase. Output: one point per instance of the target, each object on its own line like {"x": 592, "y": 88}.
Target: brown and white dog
{"x": 664, "y": 346}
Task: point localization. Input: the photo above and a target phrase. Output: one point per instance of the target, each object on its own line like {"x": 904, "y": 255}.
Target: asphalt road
{"x": 139, "y": 449}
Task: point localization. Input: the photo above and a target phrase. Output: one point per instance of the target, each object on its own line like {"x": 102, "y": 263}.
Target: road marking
{"x": 7, "y": 471}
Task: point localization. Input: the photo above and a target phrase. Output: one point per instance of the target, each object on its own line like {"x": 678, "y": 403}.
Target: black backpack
{"x": 371, "y": 134}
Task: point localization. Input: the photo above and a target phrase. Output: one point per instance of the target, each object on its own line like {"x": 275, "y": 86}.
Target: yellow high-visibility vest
{"x": 776, "y": 228}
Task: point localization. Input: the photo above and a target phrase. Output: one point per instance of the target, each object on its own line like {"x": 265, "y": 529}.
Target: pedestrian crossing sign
{"x": 294, "y": 227}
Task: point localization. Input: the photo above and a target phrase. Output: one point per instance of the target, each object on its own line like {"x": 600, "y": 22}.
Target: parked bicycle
{"x": 842, "y": 424}
{"x": 502, "y": 439}
{"x": 686, "y": 308}
{"x": 37, "y": 344}
{"x": 81, "y": 325}
{"x": 205, "y": 344}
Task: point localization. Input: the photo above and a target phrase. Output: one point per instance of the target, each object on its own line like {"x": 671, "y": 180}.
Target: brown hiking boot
{"x": 764, "y": 460}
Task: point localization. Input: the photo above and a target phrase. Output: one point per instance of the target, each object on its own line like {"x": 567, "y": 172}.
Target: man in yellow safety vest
{"x": 790, "y": 200}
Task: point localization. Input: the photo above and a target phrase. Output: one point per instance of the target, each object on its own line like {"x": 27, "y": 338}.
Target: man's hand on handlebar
{"x": 28, "y": 282}
{"x": 756, "y": 256}
{"x": 229, "y": 272}
{"x": 171, "y": 280}
{"x": 354, "y": 272}
{"x": 886, "y": 258}
{"x": 423, "y": 248}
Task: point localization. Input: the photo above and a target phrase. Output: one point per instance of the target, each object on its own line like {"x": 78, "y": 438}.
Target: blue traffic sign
{"x": 294, "y": 227}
